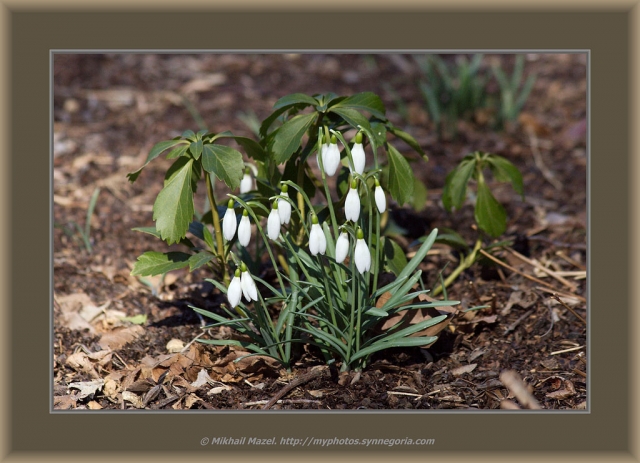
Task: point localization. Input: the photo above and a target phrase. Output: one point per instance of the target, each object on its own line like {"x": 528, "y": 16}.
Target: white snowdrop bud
{"x": 229, "y": 223}
{"x": 284, "y": 207}
{"x": 246, "y": 184}
{"x": 273, "y": 222}
{"x": 317, "y": 240}
{"x": 361, "y": 255}
{"x": 249, "y": 288}
{"x": 342, "y": 247}
{"x": 234, "y": 292}
{"x": 244, "y": 229}
{"x": 352, "y": 203}
{"x": 381, "y": 200}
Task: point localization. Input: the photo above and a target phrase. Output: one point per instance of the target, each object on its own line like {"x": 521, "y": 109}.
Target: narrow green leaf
{"x": 376, "y": 312}
{"x": 199, "y": 259}
{"x": 384, "y": 344}
{"x": 400, "y": 176}
{"x": 157, "y": 149}
{"x": 225, "y": 162}
{"x": 524, "y": 93}
{"x": 505, "y": 171}
{"x": 432, "y": 102}
{"x": 287, "y": 138}
{"x": 419, "y": 256}
{"x": 155, "y": 263}
{"x": 208, "y": 238}
{"x": 365, "y": 101}
{"x": 409, "y": 140}
{"x": 173, "y": 209}
{"x": 293, "y": 99}
{"x": 455, "y": 190}
{"x": 489, "y": 213}
{"x": 453, "y": 239}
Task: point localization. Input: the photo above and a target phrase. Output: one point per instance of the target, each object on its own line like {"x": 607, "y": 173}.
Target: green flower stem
{"x": 464, "y": 264}
{"x": 346, "y": 364}
{"x": 266, "y": 319}
{"x": 219, "y": 252}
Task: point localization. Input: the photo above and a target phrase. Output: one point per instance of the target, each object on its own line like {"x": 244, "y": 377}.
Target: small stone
{"x": 174, "y": 346}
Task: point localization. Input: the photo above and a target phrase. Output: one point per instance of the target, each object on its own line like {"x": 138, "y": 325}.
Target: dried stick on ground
{"x": 518, "y": 388}
{"x": 295, "y": 383}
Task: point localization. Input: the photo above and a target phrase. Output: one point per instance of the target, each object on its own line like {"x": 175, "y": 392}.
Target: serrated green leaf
{"x": 155, "y": 263}
{"x": 157, "y": 149}
{"x": 287, "y": 138}
{"x": 379, "y": 133}
{"x": 489, "y": 213}
{"x": 199, "y": 259}
{"x": 505, "y": 171}
{"x": 365, "y": 101}
{"x": 395, "y": 258}
{"x": 190, "y": 134}
{"x": 177, "y": 152}
{"x": 225, "y": 162}
{"x": 455, "y": 187}
{"x": 400, "y": 176}
{"x": 352, "y": 117}
{"x": 409, "y": 140}
{"x": 173, "y": 209}
{"x": 418, "y": 199}
{"x": 293, "y": 99}
{"x": 196, "y": 148}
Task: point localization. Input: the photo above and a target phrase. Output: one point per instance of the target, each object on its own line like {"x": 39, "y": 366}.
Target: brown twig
{"x": 529, "y": 277}
{"x": 539, "y": 266}
{"x": 555, "y": 296}
{"x": 295, "y": 383}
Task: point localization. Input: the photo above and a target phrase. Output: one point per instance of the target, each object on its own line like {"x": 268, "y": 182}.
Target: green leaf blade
{"x": 489, "y": 213}
{"x": 400, "y": 176}
{"x": 287, "y": 138}
{"x": 173, "y": 209}
{"x": 225, "y": 162}
{"x": 365, "y": 101}
{"x": 156, "y": 263}
{"x": 157, "y": 149}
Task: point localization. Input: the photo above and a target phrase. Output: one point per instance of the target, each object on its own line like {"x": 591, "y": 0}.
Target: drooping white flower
{"x": 249, "y": 288}
{"x": 229, "y": 223}
{"x": 342, "y": 247}
{"x": 284, "y": 207}
{"x": 361, "y": 254}
{"x": 273, "y": 222}
{"x": 246, "y": 184}
{"x": 352, "y": 203}
{"x": 234, "y": 292}
{"x": 317, "y": 240}
{"x": 358, "y": 157}
{"x": 330, "y": 156}
{"x": 381, "y": 200}
{"x": 244, "y": 229}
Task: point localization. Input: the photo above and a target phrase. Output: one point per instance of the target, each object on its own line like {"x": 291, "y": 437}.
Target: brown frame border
{"x": 15, "y": 13}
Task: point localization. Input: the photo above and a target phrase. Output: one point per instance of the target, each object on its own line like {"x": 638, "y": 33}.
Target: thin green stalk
{"x": 219, "y": 252}
{"x": 464, "y": 264}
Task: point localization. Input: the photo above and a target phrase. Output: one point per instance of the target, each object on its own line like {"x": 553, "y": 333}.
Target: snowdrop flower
{"x": 284, "y": 207}
{"x": 357, "y": 155}
{"x": 244, "y": 229}
{"x": 273, "y": 222}
{"x": 229, "y": 223}
{"x": 342, "y": 247}
{"x": 246, "y": 184}
{"x": 362, "y": 256}
{"x": 330, "y": 156}
{"x": 234, "y": 292}
{"x": 352, "y": 203}
{"x": 247, "y": 284}
{"x": 381, "y": 200}
{"x": 317, "y": 240}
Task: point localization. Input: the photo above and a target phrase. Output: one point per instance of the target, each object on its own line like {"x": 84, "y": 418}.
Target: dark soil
{"x": 110, "y": 109}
